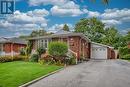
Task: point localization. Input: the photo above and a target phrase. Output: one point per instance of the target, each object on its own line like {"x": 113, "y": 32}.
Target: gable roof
{"x": 102, "y": 45}
{"x": 61, "y": 33}
{"x": 12, "y": 40}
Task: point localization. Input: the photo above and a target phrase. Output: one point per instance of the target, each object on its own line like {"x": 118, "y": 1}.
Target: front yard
{"x": 14, "y": 74}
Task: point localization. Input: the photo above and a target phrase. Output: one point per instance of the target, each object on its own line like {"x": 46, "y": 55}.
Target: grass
{"x": 14, "y": 74}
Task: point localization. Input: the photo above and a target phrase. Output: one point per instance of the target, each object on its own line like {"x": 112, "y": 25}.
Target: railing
{"x": 72, "y": 52}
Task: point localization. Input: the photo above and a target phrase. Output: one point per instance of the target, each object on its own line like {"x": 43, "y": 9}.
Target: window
{"x": 43, "y": 43}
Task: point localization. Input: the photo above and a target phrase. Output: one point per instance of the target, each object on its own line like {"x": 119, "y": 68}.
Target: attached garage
{"x": 100, "y": 51}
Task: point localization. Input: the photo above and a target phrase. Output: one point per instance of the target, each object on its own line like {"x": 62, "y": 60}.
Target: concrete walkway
{"x": 95, "y": 73}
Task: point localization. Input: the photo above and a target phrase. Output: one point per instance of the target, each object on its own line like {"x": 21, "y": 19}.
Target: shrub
{"x": 127, "y": 57}
{"x": 22, "y": 51}
{"x": 72, "y": 60}
{"x": 50, "y": 62}
{"x": 46, "y": 57}
{"x": 5, "y": 59}
{"x": 28, "y": 48}
{"x": 34, "y": 58}
{"x": 57, "y": 49}
{"x": 123, "y": 51}
{"x": 14, "y": 58}
{"x": 20, "y": 57}
{"x": 42, "y": 62}
{"x": 41, "y": 51}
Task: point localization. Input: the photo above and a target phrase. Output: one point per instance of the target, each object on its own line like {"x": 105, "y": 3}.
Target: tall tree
{"x": 38, "y": 33}
{"x": 128, "y": 36}
{"x": 66, "y": 27}
{"x": 92, "y": 28}
{"x": 113, "y": 38}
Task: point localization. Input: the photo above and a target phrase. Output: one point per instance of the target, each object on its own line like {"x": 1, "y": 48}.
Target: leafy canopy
{"x": 92, "y": 28}
{"x": 66, "y": 27}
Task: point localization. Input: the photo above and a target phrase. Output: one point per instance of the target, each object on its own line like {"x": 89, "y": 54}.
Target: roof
{"x": 102, "y": 45}
{"x": 12, "y": 40}
{"x": 61, "y": 33}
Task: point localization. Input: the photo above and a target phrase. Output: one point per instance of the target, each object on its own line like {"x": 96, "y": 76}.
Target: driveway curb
{"x": 37, "y": 79}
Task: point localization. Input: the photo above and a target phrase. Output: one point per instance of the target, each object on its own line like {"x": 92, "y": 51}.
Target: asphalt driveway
{"x": 95, "y": 73}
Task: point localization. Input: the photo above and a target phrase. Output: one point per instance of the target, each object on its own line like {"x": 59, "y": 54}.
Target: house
{"x": 11, "y": 46}
{"x": 78, "y": 44}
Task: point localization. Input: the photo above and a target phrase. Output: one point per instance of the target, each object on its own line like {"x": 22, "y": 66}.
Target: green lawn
{"x": 13, "y": 74}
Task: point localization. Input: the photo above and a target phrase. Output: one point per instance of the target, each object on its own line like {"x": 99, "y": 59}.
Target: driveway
{"x": 95, "y": 73}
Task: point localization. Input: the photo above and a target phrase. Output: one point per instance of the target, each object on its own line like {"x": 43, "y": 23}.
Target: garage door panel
{"x": 99, "y": 53}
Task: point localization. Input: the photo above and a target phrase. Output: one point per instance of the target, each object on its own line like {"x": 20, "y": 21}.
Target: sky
{"x": 51, "y": 15}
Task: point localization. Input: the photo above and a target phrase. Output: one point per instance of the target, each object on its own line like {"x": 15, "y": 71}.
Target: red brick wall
{"x": 74, "y": 43}
{"x": 16, "y": 47}
{"x": 77, "y": 44}
{"x": 7, "y": 47}
{"x": 85, "y": 47}
{"x": 111, "y": 53}
{"x": 113, "y": 56}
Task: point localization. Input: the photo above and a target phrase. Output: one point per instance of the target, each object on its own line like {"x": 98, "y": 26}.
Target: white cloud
{"x": 68, "y": 9}
{"x": 60, "y": 7}
{"x": 116, "y": 13}
{"x": 115, "y": 16}
{"x": 46, "y": 2}
{"x": 111, "y": 22}
{"x": 22, "y": 21}
{"x": 38, "y": 12}
{"x": 19, "y": 17}
{"x": 93, "y": 14}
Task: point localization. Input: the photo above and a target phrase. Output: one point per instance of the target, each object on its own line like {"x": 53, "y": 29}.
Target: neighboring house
{"x": 78, "y": 44}
{"x": 11, "y": 46}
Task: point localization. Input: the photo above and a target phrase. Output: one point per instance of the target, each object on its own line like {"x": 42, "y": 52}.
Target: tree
{"x": 66, "y": 27}
{"x": 92, "y": 28}
{"x": 38, "y": 33}
{"x": 128, "y": 36}
{"x": 113, "y": 38}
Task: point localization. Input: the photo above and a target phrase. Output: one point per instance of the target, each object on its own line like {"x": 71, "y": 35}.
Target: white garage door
{"x": 99, "y": 53}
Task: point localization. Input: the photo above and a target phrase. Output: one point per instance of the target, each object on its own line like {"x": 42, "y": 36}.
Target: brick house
{"x": 11, "y": 46}
{"x": 77, "y": 43}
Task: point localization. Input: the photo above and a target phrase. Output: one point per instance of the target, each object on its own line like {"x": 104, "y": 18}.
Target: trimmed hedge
{"x": 14, "y": 58}
{"x": 57, "y": 48}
